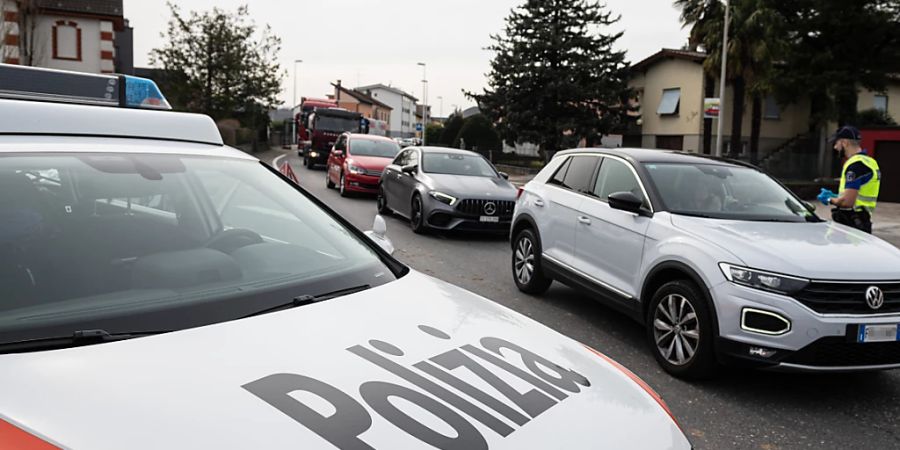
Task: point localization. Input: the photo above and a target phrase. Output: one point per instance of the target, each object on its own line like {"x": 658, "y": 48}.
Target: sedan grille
{"x": 475, "y": 207}
{"x": 837, "y": 352}
{"x": 848, "y": 298}
{"x": 371, "y": 173}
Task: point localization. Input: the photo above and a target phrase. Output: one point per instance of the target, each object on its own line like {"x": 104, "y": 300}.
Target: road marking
{"x": 276, "y": 161}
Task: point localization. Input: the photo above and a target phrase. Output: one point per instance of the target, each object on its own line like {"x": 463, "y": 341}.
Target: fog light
{"x": 764, "y": 322}
{"x": 762, "y": 352}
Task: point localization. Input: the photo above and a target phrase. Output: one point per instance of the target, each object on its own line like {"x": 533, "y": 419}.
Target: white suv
{"x": 725, "y": 263}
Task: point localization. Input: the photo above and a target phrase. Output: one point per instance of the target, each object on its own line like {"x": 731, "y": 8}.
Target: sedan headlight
{"x": 313, "y": 154}
{"x": 766, "y": 281}
{"x": 443, "y": 198}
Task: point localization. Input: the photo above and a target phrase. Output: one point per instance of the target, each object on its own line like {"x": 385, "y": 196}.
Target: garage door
{"x": 888, "y": 156}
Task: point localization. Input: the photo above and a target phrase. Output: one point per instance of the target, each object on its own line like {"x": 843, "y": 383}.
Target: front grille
{"x": 848, "y": 298}
{"x": 371, "y": 173}
{"x": 837, "y": 352}
{"x": 475, "y": 207}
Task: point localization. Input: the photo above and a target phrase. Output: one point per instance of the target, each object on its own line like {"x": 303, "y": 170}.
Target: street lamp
{"x": 294, "y": 104}
{"x": 424, "y": 99}
{"x": 722, "y": 84}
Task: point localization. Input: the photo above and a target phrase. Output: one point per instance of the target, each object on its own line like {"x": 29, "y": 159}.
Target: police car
{"x": 161, "y": 290}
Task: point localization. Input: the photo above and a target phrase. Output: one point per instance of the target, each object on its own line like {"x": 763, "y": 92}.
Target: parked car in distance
{"x": 446, "y": 189}
{"x": 721, "y": 262}
{"x": 357, "y": 161}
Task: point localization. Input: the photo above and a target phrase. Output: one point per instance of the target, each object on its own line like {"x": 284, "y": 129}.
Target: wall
{"x": 669, "y": 74}
{"x": 867, "y": 100}
{"x": 96, "y": 54}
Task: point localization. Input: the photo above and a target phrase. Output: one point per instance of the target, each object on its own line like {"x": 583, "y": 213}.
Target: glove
{"x": 825, "y": 195}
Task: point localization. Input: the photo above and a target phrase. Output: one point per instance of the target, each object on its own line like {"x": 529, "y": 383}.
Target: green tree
{"x": 478, "y": 133}
{"x": 874, "y": 118}
{"x": 555, "y": 77}
{"x": 836, "y": 49}
{"x": 433, "y": 133}
{"x": 756, "y": 43}
{"x": 219, "y": 63}
{"x": 451, "y": 129}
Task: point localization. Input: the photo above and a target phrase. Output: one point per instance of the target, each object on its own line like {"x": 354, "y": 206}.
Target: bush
{"x": 478, "y": 133}
{"x": 874, "y": 118}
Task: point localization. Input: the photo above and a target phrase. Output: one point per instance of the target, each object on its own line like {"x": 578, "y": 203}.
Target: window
{"x": 616, "y": 176}
{"x": 413, "y": 158}
{"x": 66, "y": 41}
{"x": 772, "y": 110}
{"x": 670, "y": 102}
{"x": 881, "y": 102}
{"x": 560, "y": 175}
{"x": 581, "y": 169}
{"x": 402, "y": 158}
{"x": 458, "y": 164}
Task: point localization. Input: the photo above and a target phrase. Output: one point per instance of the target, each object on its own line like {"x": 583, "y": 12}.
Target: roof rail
{"x": 59, "y": 86}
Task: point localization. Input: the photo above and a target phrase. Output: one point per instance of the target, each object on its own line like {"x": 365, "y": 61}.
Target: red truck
{"x": 319, "y": 124}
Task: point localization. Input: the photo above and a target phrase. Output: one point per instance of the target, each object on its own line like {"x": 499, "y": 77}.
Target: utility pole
{"x": 442, "y": 105}
{"x": 424, "y": 100}
{"x": 294, "y": 104}
{"x": 722, "y": 84}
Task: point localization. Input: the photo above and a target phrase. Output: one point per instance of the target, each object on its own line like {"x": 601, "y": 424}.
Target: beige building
{"x": 353, "y": 100}
{"x": 670, "y": 88}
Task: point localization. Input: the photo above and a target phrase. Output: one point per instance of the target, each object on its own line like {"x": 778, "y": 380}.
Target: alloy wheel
{"x": 524, "y": 262}
{"x": 676, "y": 329}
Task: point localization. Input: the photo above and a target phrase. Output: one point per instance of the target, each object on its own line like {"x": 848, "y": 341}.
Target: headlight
{"x": 443, "y": 198}
{"x": 356, "y": 170}
{"x": 766, "y": 281}
{"x": 313, "y": 154}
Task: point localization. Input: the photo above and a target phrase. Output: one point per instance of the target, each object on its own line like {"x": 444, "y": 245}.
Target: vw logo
{"x": 875, "y": 297}
{"x": 490, "y": 208}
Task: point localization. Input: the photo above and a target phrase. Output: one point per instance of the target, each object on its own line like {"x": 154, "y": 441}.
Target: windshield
{"x": 379, "y": 148}
{"x": 457, "y": 164}
{"x": 336, "y": 124}
{"x": 721, "y": 192}
{"x": 129, "y": 243}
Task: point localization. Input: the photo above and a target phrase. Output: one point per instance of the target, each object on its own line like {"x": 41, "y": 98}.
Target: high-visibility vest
{"x": 868, "y": 193}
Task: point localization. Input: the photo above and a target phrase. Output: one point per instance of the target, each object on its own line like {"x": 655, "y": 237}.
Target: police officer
{"x": 860, "y": 182}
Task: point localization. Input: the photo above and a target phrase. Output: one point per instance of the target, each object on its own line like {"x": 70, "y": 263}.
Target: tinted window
{"x": 578, "y": 177}
{"x": 616, "y": 176}
{"x": 560, "y": 175}
{"x": 458, "y": 164}
{"x": 402, "y": 158}
{"x": 160, "y": 242}
{"x": 337, "y": 124}
{"x": 725, "y": 192}
{"x": 369, "y": 147}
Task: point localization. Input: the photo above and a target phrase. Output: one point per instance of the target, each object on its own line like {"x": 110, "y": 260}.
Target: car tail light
{"x": 519, "y": 192}
{"x": 12, "y": 436}
{"x": 643, "y": 384}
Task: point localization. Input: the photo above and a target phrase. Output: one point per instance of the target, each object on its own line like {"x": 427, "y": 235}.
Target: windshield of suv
{"x": 369, "y": 147}
{"x": 725, "y": 192}
{"x": 457, "y": 164}
{"x": 336, "y": 124}
{"x": 128, "y": 243}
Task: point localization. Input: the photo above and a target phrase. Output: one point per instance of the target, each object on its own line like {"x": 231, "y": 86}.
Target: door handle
{"x": 584, "y": 220}
{"x": 539, "y": 203}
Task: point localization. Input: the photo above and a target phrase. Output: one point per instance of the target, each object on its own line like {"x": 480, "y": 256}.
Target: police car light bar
{"x": 124, "y": 91}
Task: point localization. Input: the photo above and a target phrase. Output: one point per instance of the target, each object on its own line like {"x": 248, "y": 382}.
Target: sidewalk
{"x": 885, "y": 222}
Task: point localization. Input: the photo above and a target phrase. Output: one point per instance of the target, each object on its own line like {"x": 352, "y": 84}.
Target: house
{"x": 79, "y": 35}
{"x": 402, "y": 104}
{"x": 670, "y": 87}
{"x": 361, "y": 102}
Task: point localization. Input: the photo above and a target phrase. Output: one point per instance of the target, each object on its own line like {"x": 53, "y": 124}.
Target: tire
{"x": 307, "y": 162}
{"x": 417, "y": 215}
{"x": 342, "y": 187}
{"x": 328, "y": 183}
{"x": 381, "y": 203}
{"x": 679, "y": 316}
{"x": 526, "y": 264}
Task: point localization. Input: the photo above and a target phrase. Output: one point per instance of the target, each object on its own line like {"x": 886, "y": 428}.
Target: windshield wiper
{"x": 304, "y": 300}
{"x": 689, "y": 214}
{"x": 76, "y": 339}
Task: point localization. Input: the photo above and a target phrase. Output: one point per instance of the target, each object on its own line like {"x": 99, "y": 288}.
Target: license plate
{"x": 490, "y": 219}
{"x": 878, "y": 333}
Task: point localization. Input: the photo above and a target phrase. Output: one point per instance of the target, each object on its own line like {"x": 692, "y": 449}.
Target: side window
{"x": 560, "y": 175}
{"x": 413, "y": 158}
{"x": 341, "y": 143}
{"x": 616, "y": 176}
{"x": 578, "y": 177}
{"x": 401, "y": 158}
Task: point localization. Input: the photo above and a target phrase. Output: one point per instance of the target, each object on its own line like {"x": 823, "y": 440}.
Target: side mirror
{"x": 626, "y": 201}
{"x": 338, "y": 153}
{"x": 378, "y": 235}
{"x": 410, "y": 169}
{"x": 809, "y": 207}
{"x": 504, "y": 175}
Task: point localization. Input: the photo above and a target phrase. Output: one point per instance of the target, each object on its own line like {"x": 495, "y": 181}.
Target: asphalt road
{"x": 740, "y": 409}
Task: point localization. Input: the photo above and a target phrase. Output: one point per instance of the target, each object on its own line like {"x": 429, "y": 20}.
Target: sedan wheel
{"x": 343, "y": 186}
{"x": 417, "y": 216}
{"x": 381, "y": 202}
{"x": 328, "y": 183}
{"x": 680, "y": 330}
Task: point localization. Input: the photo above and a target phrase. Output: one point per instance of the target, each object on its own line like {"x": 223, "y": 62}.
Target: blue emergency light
{"x": 38, "y": 84}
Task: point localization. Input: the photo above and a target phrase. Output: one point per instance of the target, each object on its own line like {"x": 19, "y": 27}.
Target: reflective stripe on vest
{"x": 868, "y": 193}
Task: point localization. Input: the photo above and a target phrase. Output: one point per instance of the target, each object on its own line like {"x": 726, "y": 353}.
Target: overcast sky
{"x": 380, "y": 41}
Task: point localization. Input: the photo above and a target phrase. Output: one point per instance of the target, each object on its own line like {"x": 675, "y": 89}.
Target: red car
{"x": 356, "y": 162}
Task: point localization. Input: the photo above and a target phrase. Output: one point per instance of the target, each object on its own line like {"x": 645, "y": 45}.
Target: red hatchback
{"x": 356, "y": 162}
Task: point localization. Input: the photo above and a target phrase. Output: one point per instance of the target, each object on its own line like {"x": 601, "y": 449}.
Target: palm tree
{"x": 755, "y": 43}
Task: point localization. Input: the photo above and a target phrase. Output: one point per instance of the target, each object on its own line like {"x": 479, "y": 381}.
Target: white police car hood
{"x": 416, "y": 363}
